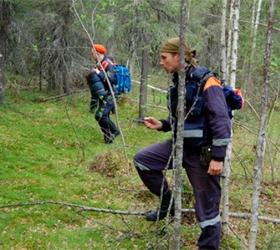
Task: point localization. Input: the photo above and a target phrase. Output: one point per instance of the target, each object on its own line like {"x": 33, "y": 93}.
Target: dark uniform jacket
{"x": 98, "y": 84}
{"x": 207, "y": 122}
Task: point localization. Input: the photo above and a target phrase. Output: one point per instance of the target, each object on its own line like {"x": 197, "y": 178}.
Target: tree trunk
{"x": 225, "y": 190}
{"x": 229, "y": 39}
{"x": 235, "y": 39}
{"x": 262, "y": 132}
{"x": 227, "y": 163}
{"x": 178, "y": 158}
{"x": 223, "y": 40}
{"x": 56, "y": 55}
{"x": 132, "y": 55}
{"x": 67, "y": 18}
{"x": 1, "y": 79}
{"x": 6, "y": 14}
{"x": 143, "y": 80}
{"x": 255, "y": 24}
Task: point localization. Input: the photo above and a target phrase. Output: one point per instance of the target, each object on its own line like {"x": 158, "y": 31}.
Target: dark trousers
{"x": 151, "y": 161}
{"x": 102, "y": 116}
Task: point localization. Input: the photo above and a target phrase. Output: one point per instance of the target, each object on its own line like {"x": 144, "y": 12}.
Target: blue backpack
{"x": 122, "y": 79}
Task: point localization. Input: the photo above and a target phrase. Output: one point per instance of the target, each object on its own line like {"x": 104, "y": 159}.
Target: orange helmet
{"x": 99, "y": 48}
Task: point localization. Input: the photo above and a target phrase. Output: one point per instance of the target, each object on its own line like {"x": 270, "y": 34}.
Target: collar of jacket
{"x": 188, "y": 70}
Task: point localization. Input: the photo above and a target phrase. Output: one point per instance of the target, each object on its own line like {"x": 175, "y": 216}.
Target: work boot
{"x": 116, "y": 133}
{"x": 161, "y": 213}
{"x": 108, "y": 139}
{"x": 154, "y": 216}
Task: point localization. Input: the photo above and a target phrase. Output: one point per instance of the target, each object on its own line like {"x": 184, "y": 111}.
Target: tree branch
{"x": 125, "y": 212}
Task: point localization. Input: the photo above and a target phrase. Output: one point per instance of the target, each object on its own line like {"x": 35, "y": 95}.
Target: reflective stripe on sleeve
{"x": 210, "y": 222}
{"x": 221, "y": 142}
{"x": 195, "y": 133}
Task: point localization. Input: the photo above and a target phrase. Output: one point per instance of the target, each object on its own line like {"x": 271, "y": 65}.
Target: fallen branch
{"x": 71, "y": 205}
{"x": 248, "y": 216}
{"x": 150, "y": 105}
{"x": 125, "y": 212}
{"x": 152, "y": 87}
{"x": 57, "y": 97}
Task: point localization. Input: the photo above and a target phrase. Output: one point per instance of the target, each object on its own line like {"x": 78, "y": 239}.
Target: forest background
{"x": 51, "y": 150}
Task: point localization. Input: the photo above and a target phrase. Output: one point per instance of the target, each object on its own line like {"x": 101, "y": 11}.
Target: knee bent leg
{"x": 140, "y": 167}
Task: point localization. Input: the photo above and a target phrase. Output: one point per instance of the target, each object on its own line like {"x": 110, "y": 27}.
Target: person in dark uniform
{"x": 207, "y": 131}
{"x": 102, "y": 103}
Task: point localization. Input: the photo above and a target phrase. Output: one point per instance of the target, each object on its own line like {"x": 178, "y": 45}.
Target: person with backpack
{"x": 102, "y": 103}
{"x": 207, "y": 132}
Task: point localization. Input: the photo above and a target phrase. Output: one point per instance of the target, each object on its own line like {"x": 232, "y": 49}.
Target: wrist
{"x": 219, "y": 159}
{"x": 165, "y": 126}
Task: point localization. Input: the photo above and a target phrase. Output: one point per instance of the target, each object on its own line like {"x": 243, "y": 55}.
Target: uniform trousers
{"x": 102, "y": 116}
{"x": 150, "y": 163}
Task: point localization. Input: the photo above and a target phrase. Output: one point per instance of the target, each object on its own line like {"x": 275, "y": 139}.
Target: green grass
{"x": 46, "y": 150}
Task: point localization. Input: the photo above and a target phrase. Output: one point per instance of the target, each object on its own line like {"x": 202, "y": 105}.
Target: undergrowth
{"x": 54, "y": 151}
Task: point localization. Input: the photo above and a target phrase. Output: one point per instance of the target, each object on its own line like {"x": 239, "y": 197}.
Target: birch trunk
{"x": 180, "y": 127}
{"x": 254, "y": 6}
{"x": 1, "y": 79}
{"x": 229, "y": 39}
{"x": 143, "y": 79}
{"x": 255, "y": 25}
{"x": 132, "y": 55}
{"x": 227, "y": 163}
{"x": 235, "y": 39}
{"x": 223, "y": 40}
{"x": 133, "y": 47}
{"x": 225, "y": 190}
{"x": 262, "y": 132}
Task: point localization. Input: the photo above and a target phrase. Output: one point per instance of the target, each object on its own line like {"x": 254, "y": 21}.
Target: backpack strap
{"x": 105, "y": 64}
{"x": 200, "y": 75}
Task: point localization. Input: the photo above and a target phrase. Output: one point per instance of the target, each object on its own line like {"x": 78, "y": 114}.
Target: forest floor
{"x": 54, "y": 151}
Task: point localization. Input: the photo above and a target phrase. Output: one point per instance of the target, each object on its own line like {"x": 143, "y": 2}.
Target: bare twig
{"x": 237, "y": 235}
{"x": 80, "y": 143}
{"x": 72, "y": 205}
{"x": 241, "y": 162}
{"x": 150, "y": 105}
{"x": 251, "y": 130}
{"x": 124, "y": 212}
{"x": 58, "y": 97}
{"x": 152, "y": 87}
{"x": 253, "y": 109}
